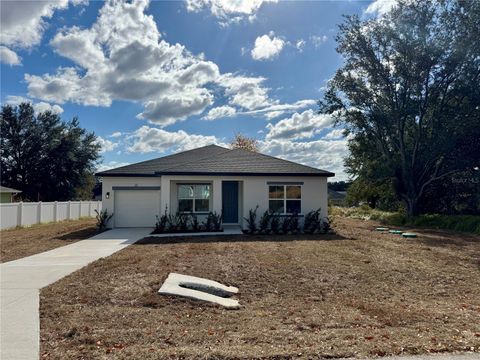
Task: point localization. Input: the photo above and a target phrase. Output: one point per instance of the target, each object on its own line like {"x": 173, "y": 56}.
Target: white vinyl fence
{"x": 29, "y": 213}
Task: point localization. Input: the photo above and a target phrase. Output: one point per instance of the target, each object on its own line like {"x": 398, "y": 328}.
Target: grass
{"x": 463, "y": 223}
{"x": 357, "y": 293}
{"x": 25, "y": 241}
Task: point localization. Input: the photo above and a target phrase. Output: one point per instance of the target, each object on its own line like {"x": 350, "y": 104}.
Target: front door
{"x": 230, "y": 202}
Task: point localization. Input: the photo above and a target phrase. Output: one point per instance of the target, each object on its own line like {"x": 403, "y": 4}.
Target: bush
{"x": 312, "y": 222}
{"x": 326, "y": 226}
{"x": 286, "y": 224}
{"x": 264, "y": 222}
{"x": 102, "y": 219}
{"x": 161, "y": 223}
{"x": 294, "y": 223}
{"x": 195, "y": 223}
{"x": 275, "y": 223}
{"x": 214, "y": 222}
{"x": 252, "y": 221}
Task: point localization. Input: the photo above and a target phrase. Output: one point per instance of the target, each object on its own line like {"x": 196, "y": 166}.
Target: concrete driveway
{"x": 21, "y": 280}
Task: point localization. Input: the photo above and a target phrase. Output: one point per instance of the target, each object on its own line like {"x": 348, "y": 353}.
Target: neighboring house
{"x": 7, "y": 194}
{"x": 211, "y": 178}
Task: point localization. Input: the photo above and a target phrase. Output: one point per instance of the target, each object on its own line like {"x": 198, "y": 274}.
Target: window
{"x": 285, "y": 199}
{"x": 193, "y": 198}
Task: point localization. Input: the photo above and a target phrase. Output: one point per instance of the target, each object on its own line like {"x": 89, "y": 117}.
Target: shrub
{"x": 194, "y": 221}
{"x": 182, "y": 223}
{"x": 102, "y": 219}
{"x": 294, "y": 223}
{"x": 286, "y": 224}
{"x": 264, "y": 222}
{"x": 252, "y": 221}
{"x": 214, "y": 221}
{"x": 275, "y": 223}
{"x": 172, "y": 222}
{"x": 326, "y": 228}
{"x": 312, "y": 222}
{"x": 161, "y": 223}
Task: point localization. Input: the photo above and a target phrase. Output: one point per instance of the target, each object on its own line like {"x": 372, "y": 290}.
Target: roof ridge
{"x": 200, "y": 159}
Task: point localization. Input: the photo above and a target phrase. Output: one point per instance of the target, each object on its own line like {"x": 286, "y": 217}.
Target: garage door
{"x": 136, "y": 208}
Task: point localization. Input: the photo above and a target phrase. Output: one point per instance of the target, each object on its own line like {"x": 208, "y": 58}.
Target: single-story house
{"x": 211, "y": 178}
{"x": 7, "y": 194}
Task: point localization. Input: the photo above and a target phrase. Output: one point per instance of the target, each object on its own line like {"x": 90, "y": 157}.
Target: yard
{"x": 21, "y": 242}
{"x": 358, "y": 293}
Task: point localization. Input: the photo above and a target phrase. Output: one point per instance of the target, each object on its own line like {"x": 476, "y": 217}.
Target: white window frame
{"x": 194, "y": 198}
{"x": 285, "y": 198}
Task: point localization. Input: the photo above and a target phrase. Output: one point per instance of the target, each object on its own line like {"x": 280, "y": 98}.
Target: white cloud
{"x": 115, "y": 134}
{"x": 246, "y": 92}
{"x": 220, "y": 112}
{"x": 111, "y": 165}
{"x": 9, "y": 57}
{"x": 318, "y": 40}
{"x": 322, "y": 154}
{"x": 228, "y": 11}
{"x": 38, "y": 107}
{"x": 122, "y": 56}
{"x": 23, "y": 24}
{"x": 300, "y": 44}
{"x": 334, "y": 134}
{"x": 380, "y": 7}
{"x": 275, "y": 110}
{"x": 106, "y": 145}
{"x": 299, "y": 126}
{"x": 267, "y": 47}
{"x": 147, "y": 139}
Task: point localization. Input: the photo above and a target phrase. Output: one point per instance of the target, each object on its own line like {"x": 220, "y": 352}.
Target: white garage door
{"x": 136, "y": 208}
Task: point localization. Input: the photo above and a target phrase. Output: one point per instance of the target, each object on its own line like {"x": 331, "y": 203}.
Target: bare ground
{"x": 22, "y": 242}
{"x": 358, "y": 293}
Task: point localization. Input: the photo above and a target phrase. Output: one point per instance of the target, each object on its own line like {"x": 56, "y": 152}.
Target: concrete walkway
{"x": 21, "y": 280}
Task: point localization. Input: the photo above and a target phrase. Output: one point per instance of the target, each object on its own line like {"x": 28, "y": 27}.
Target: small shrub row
{"x": 273, "y": 223}
{"x": 187, "y": 222}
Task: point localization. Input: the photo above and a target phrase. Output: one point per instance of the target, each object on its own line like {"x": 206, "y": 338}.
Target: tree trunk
{"x": 412, "y": 205}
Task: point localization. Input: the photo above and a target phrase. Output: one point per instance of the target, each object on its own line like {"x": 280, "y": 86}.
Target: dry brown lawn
{"x": 358, "y": 293}
{"x": 21, "y": 242}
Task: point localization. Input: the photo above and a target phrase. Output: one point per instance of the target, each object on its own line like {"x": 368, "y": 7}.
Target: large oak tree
{"x": 44, "y": 157}
{"x": 408, "y": 94}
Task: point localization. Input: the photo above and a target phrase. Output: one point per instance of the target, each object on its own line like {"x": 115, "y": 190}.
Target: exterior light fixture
{"x": 107, "y": 195}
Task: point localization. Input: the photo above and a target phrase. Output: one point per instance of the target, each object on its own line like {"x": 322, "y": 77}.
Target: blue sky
{"x": 152, "y": 78}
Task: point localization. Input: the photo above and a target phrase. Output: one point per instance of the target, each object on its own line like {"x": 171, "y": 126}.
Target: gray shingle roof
{"x": 213, "y": 159}
{"x": 4, "y": 189}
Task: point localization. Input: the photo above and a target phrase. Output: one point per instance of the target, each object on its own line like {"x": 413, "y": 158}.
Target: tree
{"x": 241, "y": 141}
{"x": 408, "y": 94}
{"x": 44, "y": 157}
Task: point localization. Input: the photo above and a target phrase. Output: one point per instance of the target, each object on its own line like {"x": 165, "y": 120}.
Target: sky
{"x": 152, "y": 78}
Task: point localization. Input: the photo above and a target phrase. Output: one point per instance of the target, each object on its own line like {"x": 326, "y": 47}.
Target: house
{"x": 7, "y": 194}
{"x": 211, "y": 178}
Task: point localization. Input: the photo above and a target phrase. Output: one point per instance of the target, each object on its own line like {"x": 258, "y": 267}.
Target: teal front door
{"x": 230, "y": 202}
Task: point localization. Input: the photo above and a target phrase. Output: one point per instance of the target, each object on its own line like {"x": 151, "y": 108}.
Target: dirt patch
{"x": 359, "y": 293}
{"x": 18, "y": 243}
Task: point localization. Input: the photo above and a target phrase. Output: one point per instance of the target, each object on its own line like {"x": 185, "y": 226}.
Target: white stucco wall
{"x": 109, "y": 181}
{"x": 253, "y": 191}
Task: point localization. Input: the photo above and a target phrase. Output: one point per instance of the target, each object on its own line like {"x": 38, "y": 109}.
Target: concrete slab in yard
{"x": 200, "y": 289}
